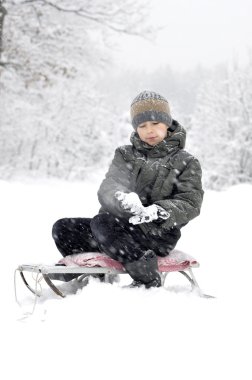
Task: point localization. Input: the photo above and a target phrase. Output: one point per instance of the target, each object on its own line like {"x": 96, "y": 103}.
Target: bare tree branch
{"x": 10, "y": 64}
{"x": 106, "y": 18}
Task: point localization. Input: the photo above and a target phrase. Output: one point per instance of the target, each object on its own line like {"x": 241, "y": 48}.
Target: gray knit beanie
{"x": 149, "y": 105}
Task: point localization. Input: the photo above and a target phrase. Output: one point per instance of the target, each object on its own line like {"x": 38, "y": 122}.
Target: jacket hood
{"x": 174, "y": 142}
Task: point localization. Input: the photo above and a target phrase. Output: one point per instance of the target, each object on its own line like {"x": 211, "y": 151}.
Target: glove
{"x": 130, "y": 202}
{"x": 148, "y": 214}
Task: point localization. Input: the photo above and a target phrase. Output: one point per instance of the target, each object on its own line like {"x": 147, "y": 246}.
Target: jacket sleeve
{"x": 116, "y": 179}
{"x": 186, "y": 202}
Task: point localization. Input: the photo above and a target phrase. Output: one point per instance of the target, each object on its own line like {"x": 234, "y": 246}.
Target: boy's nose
{"x": 149, "y": 129}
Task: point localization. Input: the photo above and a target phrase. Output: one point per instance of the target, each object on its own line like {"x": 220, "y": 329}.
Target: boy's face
{"x": 152, "y": 132}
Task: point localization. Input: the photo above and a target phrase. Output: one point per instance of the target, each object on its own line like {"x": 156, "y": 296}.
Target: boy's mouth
{"x": 151, "y": 138}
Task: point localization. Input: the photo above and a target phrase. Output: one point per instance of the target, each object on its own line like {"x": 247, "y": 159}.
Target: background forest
{"x": 65, "y": 97}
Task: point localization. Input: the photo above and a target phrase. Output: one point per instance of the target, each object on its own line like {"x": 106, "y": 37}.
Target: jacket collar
{"x": 174, "y": 142}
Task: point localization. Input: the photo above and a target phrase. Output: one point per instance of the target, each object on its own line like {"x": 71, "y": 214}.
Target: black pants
{"x": 105, "y": 233}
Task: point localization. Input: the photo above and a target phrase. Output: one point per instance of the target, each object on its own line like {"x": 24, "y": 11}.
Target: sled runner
{"x": 96, "y": 263}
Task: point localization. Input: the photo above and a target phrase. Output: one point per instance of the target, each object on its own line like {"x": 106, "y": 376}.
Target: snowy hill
{"x": 105, "y": 331}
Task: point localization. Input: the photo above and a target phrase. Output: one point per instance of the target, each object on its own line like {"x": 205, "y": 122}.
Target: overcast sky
{"x": 196, "y": 31}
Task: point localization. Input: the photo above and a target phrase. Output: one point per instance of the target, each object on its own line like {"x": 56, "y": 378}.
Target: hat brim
{"x": 152, "y": 115}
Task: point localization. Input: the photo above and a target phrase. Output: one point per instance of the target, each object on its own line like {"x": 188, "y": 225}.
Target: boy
{"x": 151, "y": 190}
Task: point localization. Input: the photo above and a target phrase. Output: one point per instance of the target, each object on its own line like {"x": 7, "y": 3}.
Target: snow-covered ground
{"x": 108, "y": 332}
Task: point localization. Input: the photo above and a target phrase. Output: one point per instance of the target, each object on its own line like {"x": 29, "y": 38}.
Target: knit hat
{"x": 149, "y": 105}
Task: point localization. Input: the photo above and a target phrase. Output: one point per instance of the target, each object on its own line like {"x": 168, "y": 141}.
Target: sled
{"x": 96, "y": 263}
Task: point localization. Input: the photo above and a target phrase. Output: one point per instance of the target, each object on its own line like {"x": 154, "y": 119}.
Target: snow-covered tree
{"x": 54, "y": 118}
{"x": 221, "y": 134}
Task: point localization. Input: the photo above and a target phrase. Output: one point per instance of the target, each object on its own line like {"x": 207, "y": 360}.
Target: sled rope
{"x": 38, "y": 278}
{"x": 15, "y": 287}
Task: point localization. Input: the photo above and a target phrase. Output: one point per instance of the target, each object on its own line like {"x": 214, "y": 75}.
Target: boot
{"x": 144, "y": 271}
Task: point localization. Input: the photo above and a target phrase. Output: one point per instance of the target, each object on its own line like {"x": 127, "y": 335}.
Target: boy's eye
{"x": 144, "y": 125}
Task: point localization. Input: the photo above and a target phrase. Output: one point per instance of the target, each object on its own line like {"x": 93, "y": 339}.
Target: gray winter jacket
{"x": 165, "y": 175}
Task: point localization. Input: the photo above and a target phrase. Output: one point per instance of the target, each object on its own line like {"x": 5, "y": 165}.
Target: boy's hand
{"x": 148, "y": 214}
{"x": 130, "y": 202}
